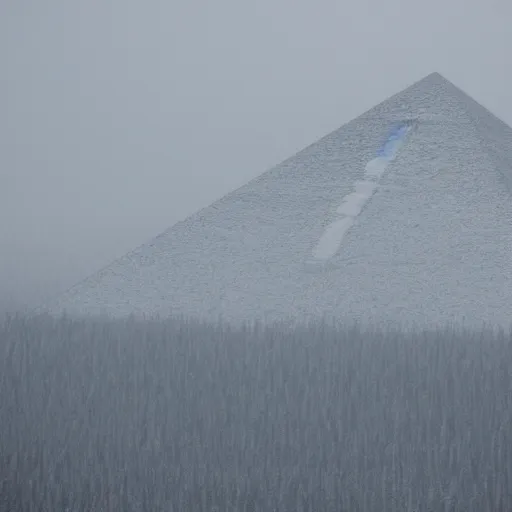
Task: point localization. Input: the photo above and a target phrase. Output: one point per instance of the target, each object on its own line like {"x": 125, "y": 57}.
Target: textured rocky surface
{"x": 404, "y": 214}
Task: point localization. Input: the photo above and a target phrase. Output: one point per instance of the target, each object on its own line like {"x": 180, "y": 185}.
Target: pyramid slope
{"x": 403, "y": 214}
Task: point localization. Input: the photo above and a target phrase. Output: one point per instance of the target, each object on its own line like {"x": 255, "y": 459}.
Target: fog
{"x": 177, "y": 415}
{"x": 119, "y": 118}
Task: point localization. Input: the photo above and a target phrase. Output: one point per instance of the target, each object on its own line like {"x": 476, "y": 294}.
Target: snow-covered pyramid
{"x": 403, "y": 214}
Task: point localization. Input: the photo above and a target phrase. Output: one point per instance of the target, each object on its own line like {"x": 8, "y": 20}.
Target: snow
{"x": 353, "y": 203}
{"x": 376, "y": 167}
{"x": 411, "y": 225}
{"x": 332, "y": 237}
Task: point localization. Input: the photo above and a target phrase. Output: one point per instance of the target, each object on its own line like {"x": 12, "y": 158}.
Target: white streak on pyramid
{"x": 331, "y": 239}
{"x": 354, "y": 202}
{"x": 427, "y": 241}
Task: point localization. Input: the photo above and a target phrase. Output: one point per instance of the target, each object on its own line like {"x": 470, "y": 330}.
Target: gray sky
{"x": 120, "y": 117}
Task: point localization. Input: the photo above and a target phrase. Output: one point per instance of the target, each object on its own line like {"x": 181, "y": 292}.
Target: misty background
{"x": 119, "y": 118}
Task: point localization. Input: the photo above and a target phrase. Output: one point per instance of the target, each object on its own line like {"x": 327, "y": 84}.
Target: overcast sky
{"x": 120, "y": 117}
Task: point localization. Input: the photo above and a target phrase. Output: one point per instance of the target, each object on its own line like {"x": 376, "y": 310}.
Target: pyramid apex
{"x": 435, "y": 77}
{"x": 435, "y": 74}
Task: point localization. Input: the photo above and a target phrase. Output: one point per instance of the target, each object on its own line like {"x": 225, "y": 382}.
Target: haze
{"x": 120, "y": 118}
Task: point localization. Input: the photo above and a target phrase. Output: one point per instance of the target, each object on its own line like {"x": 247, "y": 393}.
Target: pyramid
{"x": 402, "y": 215}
